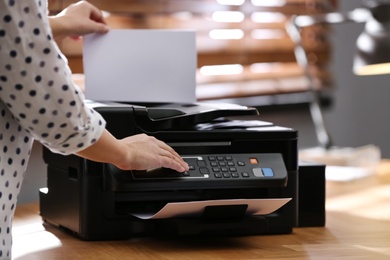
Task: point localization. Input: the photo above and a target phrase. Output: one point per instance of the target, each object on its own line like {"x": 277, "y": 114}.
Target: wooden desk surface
{"x": 357, "y": 227}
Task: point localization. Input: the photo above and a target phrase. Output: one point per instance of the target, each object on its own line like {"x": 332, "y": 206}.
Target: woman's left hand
{"x": 77, "y": 20}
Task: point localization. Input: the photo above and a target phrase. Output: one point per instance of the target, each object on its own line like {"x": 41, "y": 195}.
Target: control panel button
{"x": 267, "y": 172}
{"x": 258, "y": 172}
{"x": 253, "y": 160}
{"x": 245, "y": 174}
{"x": 218, "y": 175}
{"x": 204, "y": 170}
{"x": 201, "y": 163}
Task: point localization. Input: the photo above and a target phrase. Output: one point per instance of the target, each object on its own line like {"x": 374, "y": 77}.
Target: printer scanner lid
{"x": 164, "y": 116}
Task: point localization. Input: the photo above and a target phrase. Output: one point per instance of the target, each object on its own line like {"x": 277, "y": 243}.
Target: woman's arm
{"x": 38, "y": 90}
{"x": 133, "y": 153}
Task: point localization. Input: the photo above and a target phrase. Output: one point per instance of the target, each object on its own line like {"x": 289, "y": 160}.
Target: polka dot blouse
{"x": 37, "y": 101}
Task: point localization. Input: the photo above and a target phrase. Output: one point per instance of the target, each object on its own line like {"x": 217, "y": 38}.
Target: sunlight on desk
{"x": 363, "y": 206}
{"x": 32, "y": 238}
{"x": 381, "y": 250}
{"x": 372, "y": 203}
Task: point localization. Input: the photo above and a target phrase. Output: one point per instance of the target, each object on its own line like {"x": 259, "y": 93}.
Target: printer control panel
{"x": 222, "y": 167}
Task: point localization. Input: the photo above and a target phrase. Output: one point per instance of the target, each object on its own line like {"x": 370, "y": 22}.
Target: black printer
{"x": 230, "y": 158}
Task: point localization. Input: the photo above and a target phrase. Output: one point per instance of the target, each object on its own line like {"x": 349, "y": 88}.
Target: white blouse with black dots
{"x": 37, "y": 101}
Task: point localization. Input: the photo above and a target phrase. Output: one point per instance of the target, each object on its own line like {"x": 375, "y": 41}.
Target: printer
{"x": 231, "y": 157}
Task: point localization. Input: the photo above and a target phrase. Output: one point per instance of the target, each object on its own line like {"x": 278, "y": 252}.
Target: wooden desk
{"x": 357, "y": 227}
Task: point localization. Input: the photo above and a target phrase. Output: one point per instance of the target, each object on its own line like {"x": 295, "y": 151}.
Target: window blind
{"x": 243, "y": 48}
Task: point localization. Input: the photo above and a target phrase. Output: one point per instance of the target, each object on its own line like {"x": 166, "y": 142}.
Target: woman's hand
{"x": 136, "y": 152}
{"x": 77, "y": 20}
{"x": 146, "y": 152}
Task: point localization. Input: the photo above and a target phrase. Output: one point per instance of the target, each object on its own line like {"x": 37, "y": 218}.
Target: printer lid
{"x": 164, "y": 116}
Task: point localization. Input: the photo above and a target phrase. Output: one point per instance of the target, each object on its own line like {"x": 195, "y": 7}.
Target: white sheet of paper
{"x": 196, "y": 208}
{"x": 140, "y": 66}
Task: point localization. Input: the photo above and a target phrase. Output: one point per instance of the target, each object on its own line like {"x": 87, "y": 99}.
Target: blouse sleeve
{"x": 36, "y": 83}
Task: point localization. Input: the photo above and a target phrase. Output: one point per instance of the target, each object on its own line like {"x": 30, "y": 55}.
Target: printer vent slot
{"x": 73, "y": 173}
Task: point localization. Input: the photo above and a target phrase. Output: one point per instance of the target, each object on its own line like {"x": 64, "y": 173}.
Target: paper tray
{"x": 197, "y": 208}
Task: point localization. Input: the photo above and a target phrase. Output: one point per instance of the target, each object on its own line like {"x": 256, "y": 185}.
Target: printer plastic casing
{"x": 91, "y": 201}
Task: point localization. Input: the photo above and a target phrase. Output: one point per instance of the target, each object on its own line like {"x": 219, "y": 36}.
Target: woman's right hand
{"x": 136, "y": 152}
{"x": 147, "y": 152}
